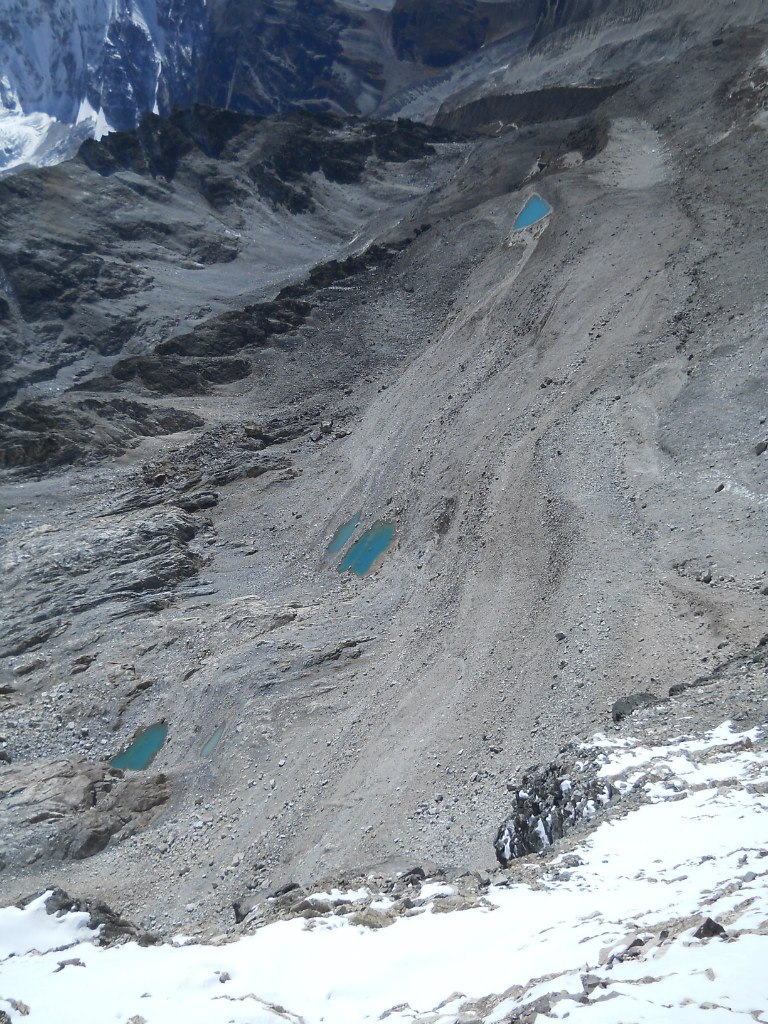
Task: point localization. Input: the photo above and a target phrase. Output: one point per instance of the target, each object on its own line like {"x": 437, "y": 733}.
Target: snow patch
{"x": 21, "y": 137}
{"x": 34, "y": 929}
{"x": 340, "y": 896}
{"x": 434, "y": 890}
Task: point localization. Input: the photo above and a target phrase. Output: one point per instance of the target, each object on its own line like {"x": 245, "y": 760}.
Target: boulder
{"x": 708, "y": 929}
{"x": 624, "y": 706}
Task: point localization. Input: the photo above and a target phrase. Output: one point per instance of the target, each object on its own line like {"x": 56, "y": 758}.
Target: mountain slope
{"x": 564, "y": 425}
{"x": 589, "y": 932}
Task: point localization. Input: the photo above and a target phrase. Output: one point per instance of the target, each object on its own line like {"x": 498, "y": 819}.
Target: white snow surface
{"x": 40, "y": 140}
{"x": 339, "y": 896}
{"x": 21, "y": 137}
{"x": 97, "y": 118}
{"x": 654, "y": 874}
{"x": 22, "y": 931}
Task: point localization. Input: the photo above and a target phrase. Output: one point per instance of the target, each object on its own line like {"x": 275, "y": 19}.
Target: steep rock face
{"x": 275, "y": 55}
{"x": 438, "y": 33}
{"x": 149, "y": 59}
{"x": 602, "y": 43}
{"x": 109, "y": 63}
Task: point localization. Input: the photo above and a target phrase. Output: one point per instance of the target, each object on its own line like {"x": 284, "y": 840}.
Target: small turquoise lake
{"x": 212, "y": 742}
{"x": 535, "y": 209}
{"x": 143, "y": 750}
{"x": 343, "y": 535}
{"x": 366, "y": 549}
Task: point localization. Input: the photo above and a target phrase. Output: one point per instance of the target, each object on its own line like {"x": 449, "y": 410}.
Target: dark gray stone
{"x": 624, "y": 706}
{"x": 708, "y": 929}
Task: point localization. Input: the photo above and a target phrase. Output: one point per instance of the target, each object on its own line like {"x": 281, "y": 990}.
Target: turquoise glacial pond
{"x": 212, "y": 742}
{"x": 368, "y": 548}
{"x": 343, "y": 535}
{"x": 142, "y": 752}
{"x": 535, "y": 209}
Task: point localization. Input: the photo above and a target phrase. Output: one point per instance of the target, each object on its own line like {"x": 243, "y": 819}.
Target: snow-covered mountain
{"x": 98, "y": 63}
{"x": 103, "y": 64}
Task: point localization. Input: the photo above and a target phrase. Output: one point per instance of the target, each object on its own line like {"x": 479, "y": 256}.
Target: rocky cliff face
{"x": 277, "y": 55}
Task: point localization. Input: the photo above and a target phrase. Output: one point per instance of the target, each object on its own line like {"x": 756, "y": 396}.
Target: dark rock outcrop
{"x": 158, "y": 144}
{"x": 708, "y": 929}
{"x": 47, "y": 434}
{"x": 546, "y": 804}
{"x": 624, "y": 706}
{"x": 556, "y": 103}
{"x": 168, "y": 375}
